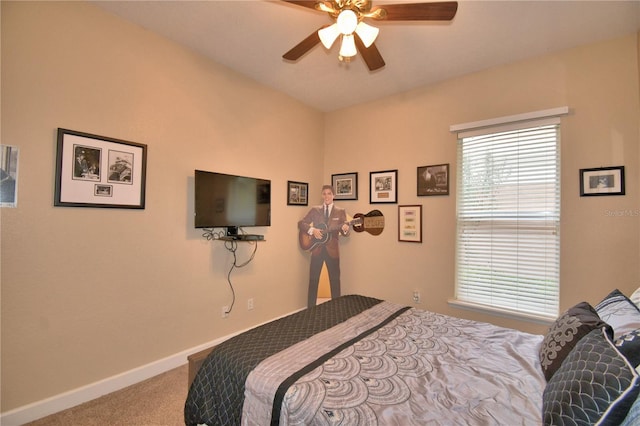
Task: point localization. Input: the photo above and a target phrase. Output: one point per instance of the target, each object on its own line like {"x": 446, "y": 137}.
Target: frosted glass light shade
{"x": 347, "y": 21}
{"x": 329, "y": 35}
{"x": 367, "y": 33}
{"x": 346, "y": 24}
{"x": 348, "y": 47}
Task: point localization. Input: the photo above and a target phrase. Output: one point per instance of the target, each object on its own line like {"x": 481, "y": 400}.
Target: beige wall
{"x": 90, "y": 293}
{"x": 599, "y": 83}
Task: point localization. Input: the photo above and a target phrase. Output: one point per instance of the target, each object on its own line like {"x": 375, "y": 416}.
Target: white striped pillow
{"x": 635, "y": 297}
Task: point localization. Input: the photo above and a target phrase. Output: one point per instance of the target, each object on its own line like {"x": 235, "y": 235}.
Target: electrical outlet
{"x": 225, "y": 311}
{"x": 416, "y": 296}
{"x": 250, "y": 304}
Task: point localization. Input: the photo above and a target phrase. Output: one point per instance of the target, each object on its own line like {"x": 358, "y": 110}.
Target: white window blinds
{"x": 508, "y": 218}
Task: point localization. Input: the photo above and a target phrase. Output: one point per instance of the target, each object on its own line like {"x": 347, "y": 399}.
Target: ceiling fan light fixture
{"x": 367, "y": 33}
{"x": 348, "y": 47}
{"x": 347, "y": 21}
{"x": 329, "y": 35}
{"x": 347, "y": 16}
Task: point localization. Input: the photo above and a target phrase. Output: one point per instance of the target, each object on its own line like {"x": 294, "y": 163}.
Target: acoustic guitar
{"x": 372, "y": 222}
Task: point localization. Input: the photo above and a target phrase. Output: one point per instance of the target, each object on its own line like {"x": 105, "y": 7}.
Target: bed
{"x": 357, "y": 360}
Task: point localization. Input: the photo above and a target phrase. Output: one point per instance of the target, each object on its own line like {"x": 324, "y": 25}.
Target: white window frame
{"x": 549, "y": 232}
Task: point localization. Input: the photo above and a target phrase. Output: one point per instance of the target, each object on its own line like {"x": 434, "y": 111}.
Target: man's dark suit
{"x": 328, "y": 252}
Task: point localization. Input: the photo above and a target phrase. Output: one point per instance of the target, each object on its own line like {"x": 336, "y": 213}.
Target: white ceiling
{"x": 251, "y": 37}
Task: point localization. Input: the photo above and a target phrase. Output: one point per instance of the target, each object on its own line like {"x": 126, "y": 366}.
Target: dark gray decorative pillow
{"x": 564, "y": 333}
{"x": 594, "y": 385}
{"x": 629, "y": 346}
{"x": 619, "y": 312}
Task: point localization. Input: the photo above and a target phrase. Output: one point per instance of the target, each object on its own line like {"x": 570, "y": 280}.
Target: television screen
{"x": 223, "y": 200}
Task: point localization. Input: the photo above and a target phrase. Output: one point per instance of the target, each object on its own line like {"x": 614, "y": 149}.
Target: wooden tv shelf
{"x": 244, "y": 237}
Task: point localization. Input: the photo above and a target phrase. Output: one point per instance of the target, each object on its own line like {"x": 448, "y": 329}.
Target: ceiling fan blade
{"x": 303, "y": 47}
{"x": 371, "y": 54}
{"x": 304, "y": 3}
{"x": 439, "y": 11}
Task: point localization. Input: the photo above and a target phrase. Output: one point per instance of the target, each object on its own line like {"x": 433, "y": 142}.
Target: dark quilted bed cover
{"x": 217, "y": 393}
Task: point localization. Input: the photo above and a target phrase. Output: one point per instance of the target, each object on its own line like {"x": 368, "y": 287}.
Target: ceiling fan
{"x": 358, "y": 36}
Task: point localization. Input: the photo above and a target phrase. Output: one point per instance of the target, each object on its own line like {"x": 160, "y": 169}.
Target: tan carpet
{"x": 158, "y": 401}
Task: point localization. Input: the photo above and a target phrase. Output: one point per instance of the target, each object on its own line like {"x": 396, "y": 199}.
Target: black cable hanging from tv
{"x": 232, "y": 246}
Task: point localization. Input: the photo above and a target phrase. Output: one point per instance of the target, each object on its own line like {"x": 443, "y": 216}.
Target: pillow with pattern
{"x": 594, "y": 385}
{"x": 564, "y": 333}
{"x": 619, "y": 312}
{"x": 629, "y": 346}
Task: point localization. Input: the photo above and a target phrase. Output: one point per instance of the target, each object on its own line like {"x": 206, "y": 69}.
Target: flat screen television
{"x": 229, "y": 201}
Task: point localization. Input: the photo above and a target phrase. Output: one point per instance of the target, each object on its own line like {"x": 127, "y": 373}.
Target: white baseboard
{"x": 45, "y": 407}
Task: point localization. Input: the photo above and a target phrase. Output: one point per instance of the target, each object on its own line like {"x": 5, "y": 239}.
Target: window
{"x": 508, "y": 218}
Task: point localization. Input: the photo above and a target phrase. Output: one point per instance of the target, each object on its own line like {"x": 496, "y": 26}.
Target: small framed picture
{"x": 433, "y": 180}
{"x": 345, "y": 186}
{"x": 410, "y": 223}
{"x": 602, "y": 181}
{"x": 297, "y": 193}
{"x": 8, "y": 176}
{"x": 98, "y": 171}
{"x": 383, "y": 187}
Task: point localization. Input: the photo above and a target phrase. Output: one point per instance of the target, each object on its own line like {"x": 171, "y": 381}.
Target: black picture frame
{"x": 345, "y": 186}
{"x": 99, "y": 171}
{"x": 297, "y": 193}
{"x": 602, "y": 181}
{"x": 383, "y": 187}
{"x": 433, "y": 180}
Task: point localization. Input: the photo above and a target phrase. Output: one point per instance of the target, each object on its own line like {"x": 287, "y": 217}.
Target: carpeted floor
{"x": 158, "y": 401}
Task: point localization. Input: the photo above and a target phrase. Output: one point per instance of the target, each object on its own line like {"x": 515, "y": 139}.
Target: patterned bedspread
{"x": 216, "y": 395}
{"x": 418, "y": 368}
{"x": 396, "y": 365}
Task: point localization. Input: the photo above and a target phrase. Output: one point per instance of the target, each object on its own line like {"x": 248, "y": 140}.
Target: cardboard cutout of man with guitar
{"x": 319, "y": 231}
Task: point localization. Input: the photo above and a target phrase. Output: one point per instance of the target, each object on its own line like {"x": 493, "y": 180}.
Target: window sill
{"x": 504, "y": 313}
